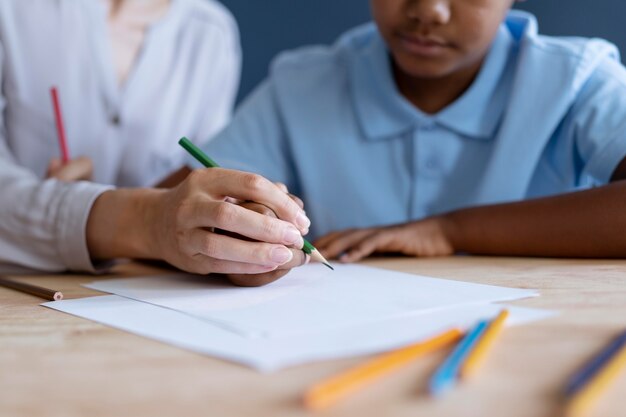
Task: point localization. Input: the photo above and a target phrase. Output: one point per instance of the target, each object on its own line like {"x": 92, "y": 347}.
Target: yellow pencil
{"x": 587, "y": 396}
{"x": 331, "y": 390}
{"x": 478, "y": 354}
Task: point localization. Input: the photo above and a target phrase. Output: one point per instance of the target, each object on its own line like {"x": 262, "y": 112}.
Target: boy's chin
{"x": 432, "y": 72}
{"x": 424, "y": 68}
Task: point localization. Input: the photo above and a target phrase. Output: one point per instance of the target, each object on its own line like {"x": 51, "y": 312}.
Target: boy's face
{"x": 437, "y": 38}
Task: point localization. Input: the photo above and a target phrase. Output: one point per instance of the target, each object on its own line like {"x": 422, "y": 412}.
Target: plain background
{"x": 270, "y": 26}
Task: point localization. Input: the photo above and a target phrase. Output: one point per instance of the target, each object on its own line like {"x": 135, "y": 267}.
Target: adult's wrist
{"x": 121, "y": 224}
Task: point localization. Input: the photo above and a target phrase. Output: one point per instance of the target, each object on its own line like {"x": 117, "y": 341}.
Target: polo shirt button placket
{"x": 428, "y": 127}
{"x": 430, "y": 165}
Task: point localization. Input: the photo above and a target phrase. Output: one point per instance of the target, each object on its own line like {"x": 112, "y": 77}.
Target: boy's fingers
{"x": 344, "y": 243}
{"x": 205, "y": 265}
{"x": 251, "y": 187}
{"x": 257, "y": 280}
{"x": 237, "y": 219}
{"x": 364, "y": 249}
{"x": 259, "y": 208}
{"x": 299, "y": 258}
{"x": 323, "y": 241}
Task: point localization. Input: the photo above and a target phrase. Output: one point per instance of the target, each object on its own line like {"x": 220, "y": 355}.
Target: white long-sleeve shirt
{"x": 183, "y": 83}
{"x": 127, "y": 21}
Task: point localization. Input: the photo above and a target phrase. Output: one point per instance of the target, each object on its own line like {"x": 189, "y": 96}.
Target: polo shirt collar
{"x": 383, "y": 113}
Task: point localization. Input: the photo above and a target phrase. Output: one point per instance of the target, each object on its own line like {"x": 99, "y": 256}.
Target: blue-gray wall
{"x": 269, "y": 26}
{"x": 591, "y": 18}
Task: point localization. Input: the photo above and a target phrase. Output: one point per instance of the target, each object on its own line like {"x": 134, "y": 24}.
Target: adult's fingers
{"x": 237, "y": 219}
{"x": 282, "y": 187}
{"x": 246, "y": 186}
{"x": 229, "y": 248}
{"x": 75, "y": 170}
{"x": 298, "y": 201}
{"x": 54, "y": 165}
{"x": 255, "y": 280}
{"x": 295, "y": 198}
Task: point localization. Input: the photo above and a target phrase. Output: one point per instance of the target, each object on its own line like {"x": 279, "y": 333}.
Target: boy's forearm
{"x": 590, "y": 223}
{"x": 119, "y": 224}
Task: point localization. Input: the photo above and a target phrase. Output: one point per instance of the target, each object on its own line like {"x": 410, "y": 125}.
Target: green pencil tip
{"x": 328, "y": 265}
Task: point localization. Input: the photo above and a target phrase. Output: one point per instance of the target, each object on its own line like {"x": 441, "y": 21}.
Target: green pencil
{"x": 209, "y": 163}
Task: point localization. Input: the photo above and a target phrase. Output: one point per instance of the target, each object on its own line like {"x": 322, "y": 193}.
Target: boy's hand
{"x": 426, "y": 237}
{"x": 299, "y": 258}
{"x": 78, "y": 169}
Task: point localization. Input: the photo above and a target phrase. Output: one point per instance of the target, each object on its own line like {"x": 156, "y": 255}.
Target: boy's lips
{"x": 429, "y": 46}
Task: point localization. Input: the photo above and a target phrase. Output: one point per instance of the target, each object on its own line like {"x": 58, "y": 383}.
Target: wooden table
{"x": 54, "y": 364}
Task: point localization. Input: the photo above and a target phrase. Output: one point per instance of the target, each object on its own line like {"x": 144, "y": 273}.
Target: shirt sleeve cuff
{"x": 72, "y": 227}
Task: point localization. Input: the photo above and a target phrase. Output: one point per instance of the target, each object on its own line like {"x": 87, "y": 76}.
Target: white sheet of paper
{"x": 271, "y": 354}
{"x": 310, "y": 299}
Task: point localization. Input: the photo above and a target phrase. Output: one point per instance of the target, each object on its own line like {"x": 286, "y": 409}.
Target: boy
{"x": 424, "y": 133}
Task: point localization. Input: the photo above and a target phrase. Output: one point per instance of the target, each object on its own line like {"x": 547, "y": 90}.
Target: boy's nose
{"x": 429, "y": 12}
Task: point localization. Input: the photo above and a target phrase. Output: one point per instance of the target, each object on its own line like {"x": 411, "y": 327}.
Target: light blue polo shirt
{"x": 544, "y": 116}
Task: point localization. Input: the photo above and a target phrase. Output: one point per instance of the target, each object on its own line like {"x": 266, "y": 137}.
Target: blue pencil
{"x": 580, "y": 379}
{"x": 446, "y": 375}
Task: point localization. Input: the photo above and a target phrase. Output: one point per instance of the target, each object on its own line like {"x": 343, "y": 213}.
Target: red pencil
{"x": 65, "y": 155}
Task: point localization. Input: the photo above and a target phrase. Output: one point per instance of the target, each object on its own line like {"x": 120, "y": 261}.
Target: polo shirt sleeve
{"x": 599, "y": 122}
{"x": 255, "y": 140}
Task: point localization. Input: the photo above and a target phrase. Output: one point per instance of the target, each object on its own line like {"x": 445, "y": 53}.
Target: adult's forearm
{"x": 590, "y": 223}
{"x": 119, "y": 224}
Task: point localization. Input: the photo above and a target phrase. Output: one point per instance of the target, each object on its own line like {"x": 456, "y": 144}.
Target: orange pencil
{"x": 332, "y": 390}
{"x": 58, "y": 116}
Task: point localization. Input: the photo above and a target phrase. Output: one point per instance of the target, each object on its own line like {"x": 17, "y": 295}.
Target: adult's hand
{"x": 77, "y": 169}
{"x": 299, "y": 258}
{"x": 177, "y": 225}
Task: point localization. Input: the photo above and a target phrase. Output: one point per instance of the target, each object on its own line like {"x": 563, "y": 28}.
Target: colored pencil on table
{"x": 330, "y": 391}
{"x": 205, "y": 160}
{"x": 58, "y": 117}
{"x": 484, "y": 344}
{"x": 586, "y": 386}
{"x": 447, "y": 374}
{"x": 35, "y": 290}
{"x": 580, "y": 378}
